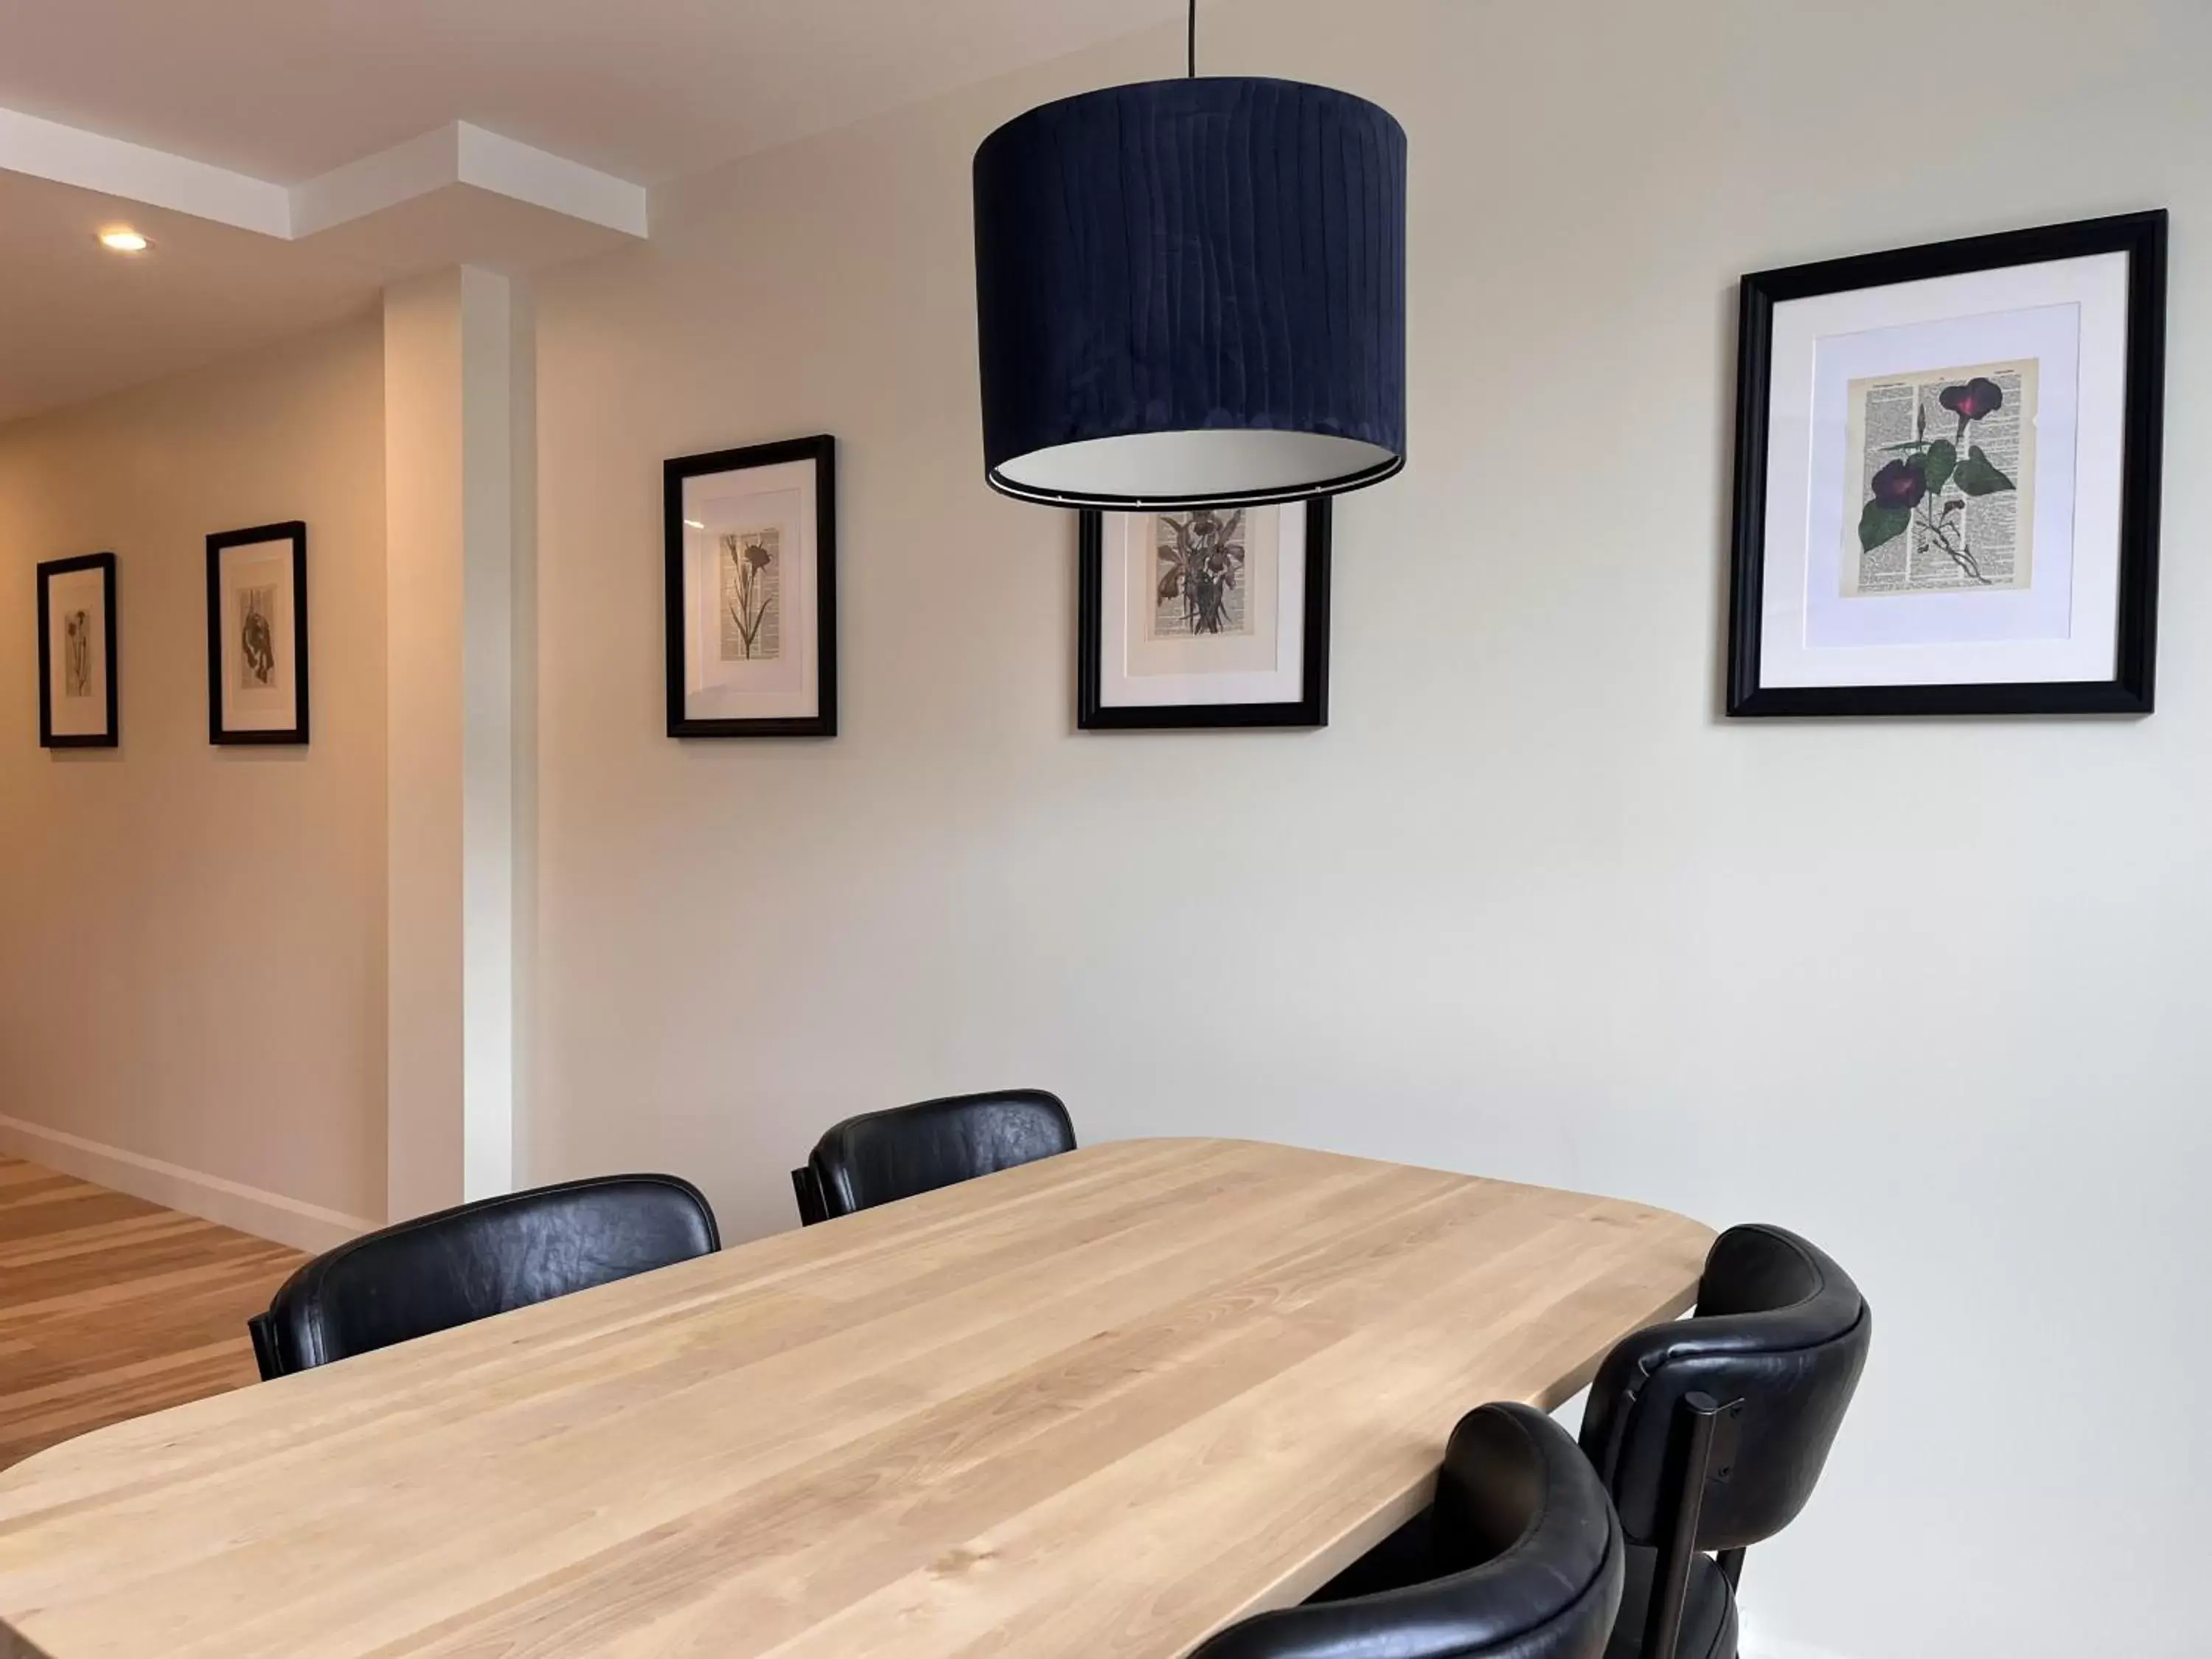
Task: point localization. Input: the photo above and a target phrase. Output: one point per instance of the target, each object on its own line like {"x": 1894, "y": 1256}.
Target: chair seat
{"x": 1708, "y": 1610}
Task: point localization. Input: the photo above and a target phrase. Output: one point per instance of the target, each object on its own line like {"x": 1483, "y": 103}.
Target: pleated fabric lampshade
{"x": 1192, "y": 292}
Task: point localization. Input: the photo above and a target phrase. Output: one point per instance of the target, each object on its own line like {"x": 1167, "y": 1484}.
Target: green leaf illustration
{"x": 1978, "y": 477}
{"x": 1939, "y": 463}
{"x": 1879, "y": 524}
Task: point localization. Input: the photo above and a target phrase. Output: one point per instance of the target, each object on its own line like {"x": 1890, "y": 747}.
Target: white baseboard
{"x": 230, "y": 1203}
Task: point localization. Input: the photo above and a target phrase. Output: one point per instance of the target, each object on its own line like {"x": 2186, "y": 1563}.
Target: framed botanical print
{"x": 257, "y": 617}
{"x": 77, "y": 703}
{"x": 751, "y": 591}
{"x": 1213, "y": 616}
{"x": 1947, "y": 494}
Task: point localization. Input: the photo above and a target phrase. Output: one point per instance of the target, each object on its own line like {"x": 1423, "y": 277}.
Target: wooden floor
{"x": 111, "y": 1306}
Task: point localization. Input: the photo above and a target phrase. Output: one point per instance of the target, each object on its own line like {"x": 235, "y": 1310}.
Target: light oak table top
{"x": 1097, "y": 1406}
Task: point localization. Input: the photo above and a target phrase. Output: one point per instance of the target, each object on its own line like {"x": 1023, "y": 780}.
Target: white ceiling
{"x": 78, "y": 321}
{"x": 645, "y": 89}
{"x": 283, "y": 93}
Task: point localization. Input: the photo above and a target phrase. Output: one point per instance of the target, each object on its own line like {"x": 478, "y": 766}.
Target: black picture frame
{"x": 1309, "y": 712}
{"x": 2142, "y": 237}
{"x": 295, "y": 532}
{"x": 822, "y": 450}
{"x": 111, "y": 735}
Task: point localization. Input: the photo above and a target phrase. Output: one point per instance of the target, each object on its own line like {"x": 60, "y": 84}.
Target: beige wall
{"x": 1927, "y": 990}
{"x": 191, "y": 938}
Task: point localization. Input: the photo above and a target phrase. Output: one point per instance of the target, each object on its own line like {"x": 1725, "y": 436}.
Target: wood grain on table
{"x": 1099, "y": 1406}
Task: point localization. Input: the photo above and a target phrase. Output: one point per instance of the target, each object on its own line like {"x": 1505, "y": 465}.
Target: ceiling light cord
{"x": 1193, "y": 40}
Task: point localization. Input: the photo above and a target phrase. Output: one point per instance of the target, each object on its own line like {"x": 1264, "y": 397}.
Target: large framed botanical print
{"x": 1947, "y": 492}
{"x": 751, "y": 575}
{"x": 1213, "y": 616}
{"x": 257, "y": 616}
{"x": 77, "y": 699}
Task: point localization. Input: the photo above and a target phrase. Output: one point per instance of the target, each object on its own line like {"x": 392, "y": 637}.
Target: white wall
{"x": 454, "y": 502}
{"x": 1925, "y": 991}
{"x": 191, "y": 938}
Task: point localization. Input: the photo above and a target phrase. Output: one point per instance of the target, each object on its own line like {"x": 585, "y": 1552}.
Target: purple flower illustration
{"x": 1907, "y": 497}
{"x": 1900, "y": 485}
{"x": 1973, "y": 400}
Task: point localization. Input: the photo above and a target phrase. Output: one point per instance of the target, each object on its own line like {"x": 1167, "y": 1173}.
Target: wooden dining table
{"x": 1097, "y": 1406}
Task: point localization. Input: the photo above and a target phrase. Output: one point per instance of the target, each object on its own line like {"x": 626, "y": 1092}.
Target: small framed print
{"x": 1947, "y": 492}
{"x": 1214, "y": 616}
{"x": 256, "y": 612}
{"x": 751, "y": 577}
{"x": 77, "y": 701}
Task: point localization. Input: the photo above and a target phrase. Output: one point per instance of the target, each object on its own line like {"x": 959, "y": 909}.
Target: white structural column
{"x": 449, "y": 412}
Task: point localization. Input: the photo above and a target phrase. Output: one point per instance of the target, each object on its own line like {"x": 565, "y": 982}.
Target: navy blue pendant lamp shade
{"x": 1192, "y": 292}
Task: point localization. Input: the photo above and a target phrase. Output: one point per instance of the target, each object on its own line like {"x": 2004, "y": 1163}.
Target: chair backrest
{"x": 881, "y": 1156}
{"x": 481, "y": 1259}
{"x": 1779, "y": 1341}
{"x": 1526, "y": 1561}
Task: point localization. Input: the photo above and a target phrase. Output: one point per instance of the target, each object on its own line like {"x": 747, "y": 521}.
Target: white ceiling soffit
{"x": 265, "y": 148}
{"x": 651, "y": 90}
{"x": 514, "y": 207}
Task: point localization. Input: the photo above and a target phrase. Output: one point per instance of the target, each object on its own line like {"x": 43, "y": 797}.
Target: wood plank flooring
{"x": 111, "y": 1307}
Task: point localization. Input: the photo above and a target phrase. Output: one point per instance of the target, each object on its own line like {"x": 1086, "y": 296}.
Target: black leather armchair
{"x": 881, "y": 1156}
{"x": 1710, "y": 1432}
{"x": 1520, "y": 1558}
{"x": 478, "y": 1260}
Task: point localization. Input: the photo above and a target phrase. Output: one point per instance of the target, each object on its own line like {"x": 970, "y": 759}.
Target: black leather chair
{"x": 881, "y": 1156}
{"x": 1519, "y": 1557}
{"x": 1710, "y": 1432}
{"x": 479, "y": 1259}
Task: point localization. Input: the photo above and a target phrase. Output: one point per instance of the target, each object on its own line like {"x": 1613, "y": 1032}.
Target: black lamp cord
{"x": 1193, "y": 40}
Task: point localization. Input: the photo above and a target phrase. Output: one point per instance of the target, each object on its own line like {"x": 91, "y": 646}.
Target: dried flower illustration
{"x": 1201, "y": 561}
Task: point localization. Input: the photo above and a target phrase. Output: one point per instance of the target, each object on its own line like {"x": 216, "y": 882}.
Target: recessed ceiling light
{"x": 693, "y": 523}
{"x": 123, "y": 240}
